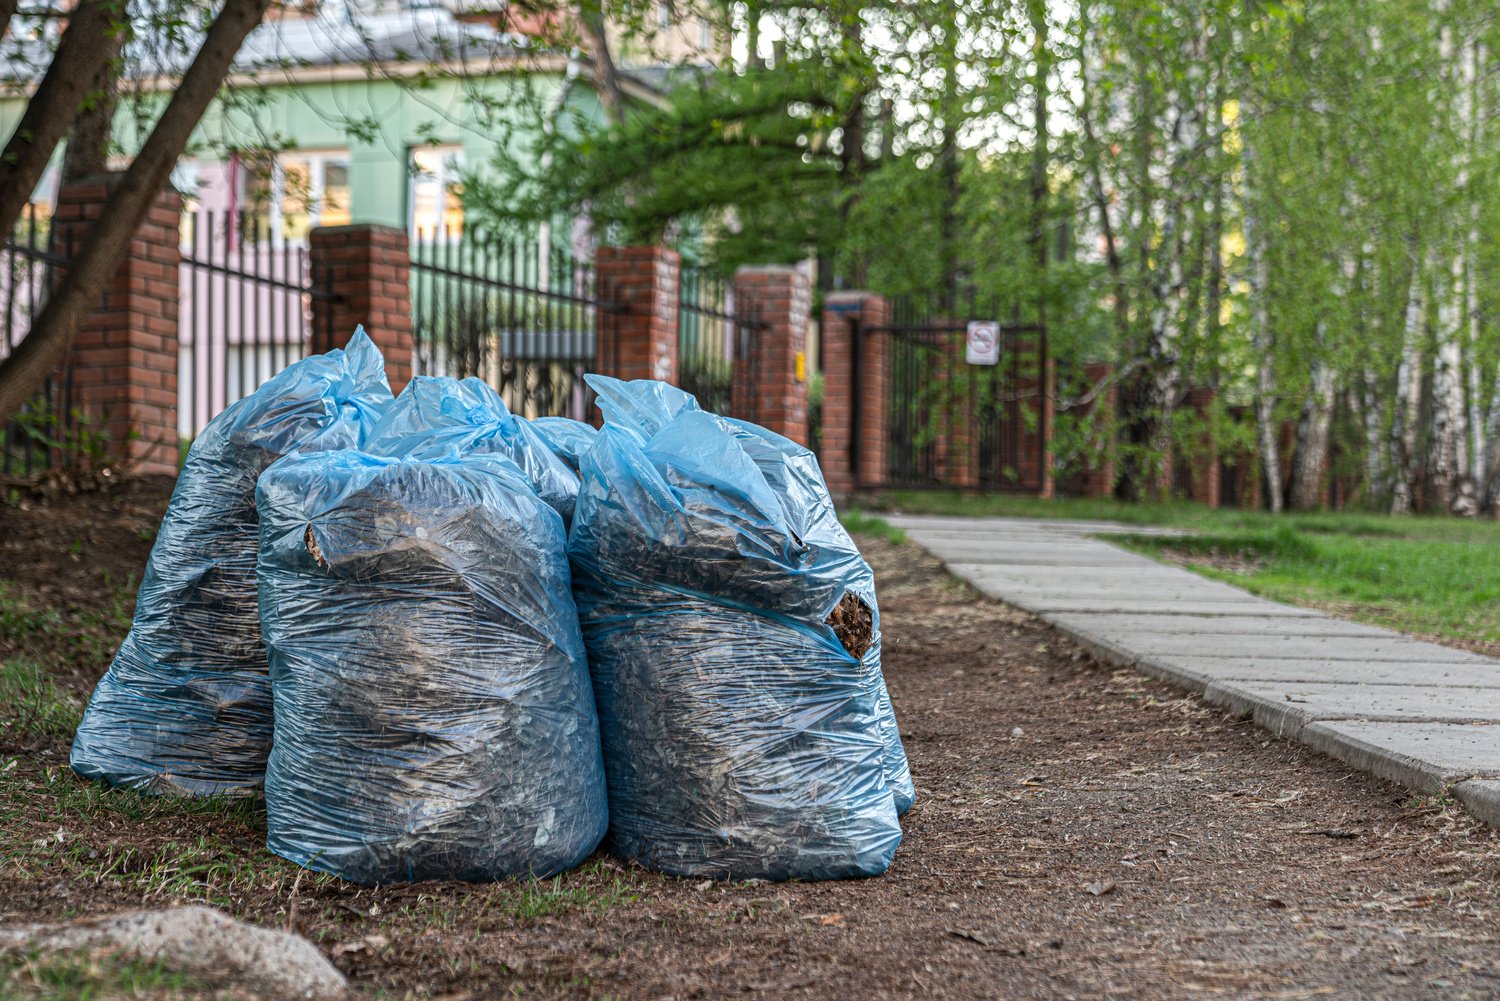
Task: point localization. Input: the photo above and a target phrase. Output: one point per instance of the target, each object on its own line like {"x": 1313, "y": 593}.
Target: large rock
{"x": 197, "y": 940}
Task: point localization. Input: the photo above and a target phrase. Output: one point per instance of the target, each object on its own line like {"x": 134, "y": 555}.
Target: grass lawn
{"x": 1437, "y": 577}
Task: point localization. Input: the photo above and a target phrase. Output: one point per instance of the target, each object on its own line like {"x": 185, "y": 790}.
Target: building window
{"x": 293, "y": 192}
{"x": 665, "y": 15}
{"x": 437, "y": 191}
{"x": 705, "y": 34}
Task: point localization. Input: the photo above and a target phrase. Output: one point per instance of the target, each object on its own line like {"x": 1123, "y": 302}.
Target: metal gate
{"x": 952, "y": 423}
{"x": 716, "y": 342}
{"x": 526, "y": 317}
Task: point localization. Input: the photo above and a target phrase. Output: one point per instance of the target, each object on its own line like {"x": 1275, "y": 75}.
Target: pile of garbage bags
{"x": 448, "y": 642}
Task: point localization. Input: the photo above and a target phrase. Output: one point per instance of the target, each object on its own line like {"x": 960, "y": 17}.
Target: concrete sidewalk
{"x": 1416, "y": 713}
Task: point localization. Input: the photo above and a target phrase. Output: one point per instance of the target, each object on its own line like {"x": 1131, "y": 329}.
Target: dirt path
{"x": 1079, "y": 833}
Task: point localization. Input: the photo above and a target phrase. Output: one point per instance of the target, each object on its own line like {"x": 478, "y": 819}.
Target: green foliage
{"x": 78, "y": 442}
{"x": 1245, "y": 197}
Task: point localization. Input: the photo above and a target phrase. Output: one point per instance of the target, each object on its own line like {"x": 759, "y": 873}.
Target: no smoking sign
{"x": 982, "y": 346}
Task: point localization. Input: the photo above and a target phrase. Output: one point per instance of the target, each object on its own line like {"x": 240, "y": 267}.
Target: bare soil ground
{"x": 1080, "y": 832}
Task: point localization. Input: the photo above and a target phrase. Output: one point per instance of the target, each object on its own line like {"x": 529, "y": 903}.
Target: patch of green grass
{"x": 207, "y": 868}
{"x": 33, "y": 707}
{"x": 589, "y": 890}
{"x": 65, "y": 976}
{"x": 857, "y": 522}
{"x": 540, "y": 898}
{"x": 81, "y": 799}
{"x": 65, "y": 637}
{"x": 1194, "y": 518}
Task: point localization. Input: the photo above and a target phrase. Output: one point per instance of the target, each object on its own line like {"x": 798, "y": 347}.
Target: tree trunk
{"x": 1267, "y": 431}
{"x": 84, "y": 48}
{"x": 1311, "y": 457}
{"x": 87, "y": 149}
{"x": 1408, "y": 404}
{"x": 606, "y": 76}
{"x": 24, "y": 372}
{"x": 1041, "y": 146}
{"x": 948, "y": 160}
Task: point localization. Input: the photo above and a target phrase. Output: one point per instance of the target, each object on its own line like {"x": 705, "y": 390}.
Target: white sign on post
{"x": 983, "y": 343}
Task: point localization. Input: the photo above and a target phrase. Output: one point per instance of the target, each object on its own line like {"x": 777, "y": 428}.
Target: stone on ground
{"x": 199, "y": 941}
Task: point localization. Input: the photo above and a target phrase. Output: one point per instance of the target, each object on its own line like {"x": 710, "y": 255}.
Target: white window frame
{"x": 316, "y": 159}
{"x": 448, "y": 174}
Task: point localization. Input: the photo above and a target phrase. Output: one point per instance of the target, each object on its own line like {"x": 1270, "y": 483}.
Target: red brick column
{"x": 639, "y": 341}
{"x": 854, "y": 415}
{"x": 774, "y": 374}
{"x": 124, "y": 358}
{"x": 369, "y": 268}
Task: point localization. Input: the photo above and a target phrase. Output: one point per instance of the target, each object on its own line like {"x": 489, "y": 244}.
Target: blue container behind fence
{"x": 186, "y": 704}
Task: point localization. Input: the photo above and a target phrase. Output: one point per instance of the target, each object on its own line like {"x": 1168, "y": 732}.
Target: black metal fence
{"x": 42, "y": 435}
{"x": 714, "y": 335}
{"x": 956, "y": 424}
{"x": 245, "y": 310}
{"x": 524, "y": 317}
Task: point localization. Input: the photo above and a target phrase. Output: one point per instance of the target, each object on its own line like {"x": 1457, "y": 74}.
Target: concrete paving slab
{"x": 1421, "y": 756}
{"x": 995, "y": 579}
{"x": 1180, "y": 603}
{"x": 1278, "y": 646}
{"x": 1047, "y": 556}
{"x": 1170, "y": 623}
{"x": 957, "y": 523}
{"x": 1285, "y": 708}
{"x": 1202, "y": 670}
{"x": 1481, "y": 797}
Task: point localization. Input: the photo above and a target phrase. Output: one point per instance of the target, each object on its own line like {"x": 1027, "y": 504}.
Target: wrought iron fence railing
{"x": 524, "y": 317}
{"x": 245, "y": 310}
{"x": 715, "y": 343}
{"x": 39, "y": 438}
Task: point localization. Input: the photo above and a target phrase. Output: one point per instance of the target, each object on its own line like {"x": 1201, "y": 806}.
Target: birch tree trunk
{"x": 1408, "y": 402}
{"x": 1267, "y": 436}
{"x": 1310, "y": 460}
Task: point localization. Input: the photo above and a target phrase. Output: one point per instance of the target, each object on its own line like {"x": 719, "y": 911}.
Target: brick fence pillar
{"x": 124, "y": 359}
{"x": 855, "y": 390}
{"x": 640, "y": 340}
{"x": 368, "y": 267}
{"x": 774, "y": 373}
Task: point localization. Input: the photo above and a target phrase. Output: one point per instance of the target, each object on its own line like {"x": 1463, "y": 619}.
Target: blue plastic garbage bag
{"x": 186, "y": 705}
{"x": 436, "y": 415}
{"x": 568, "y": 438}
{"x": 434, "y": 716}
{"x": 731, "y": 633}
